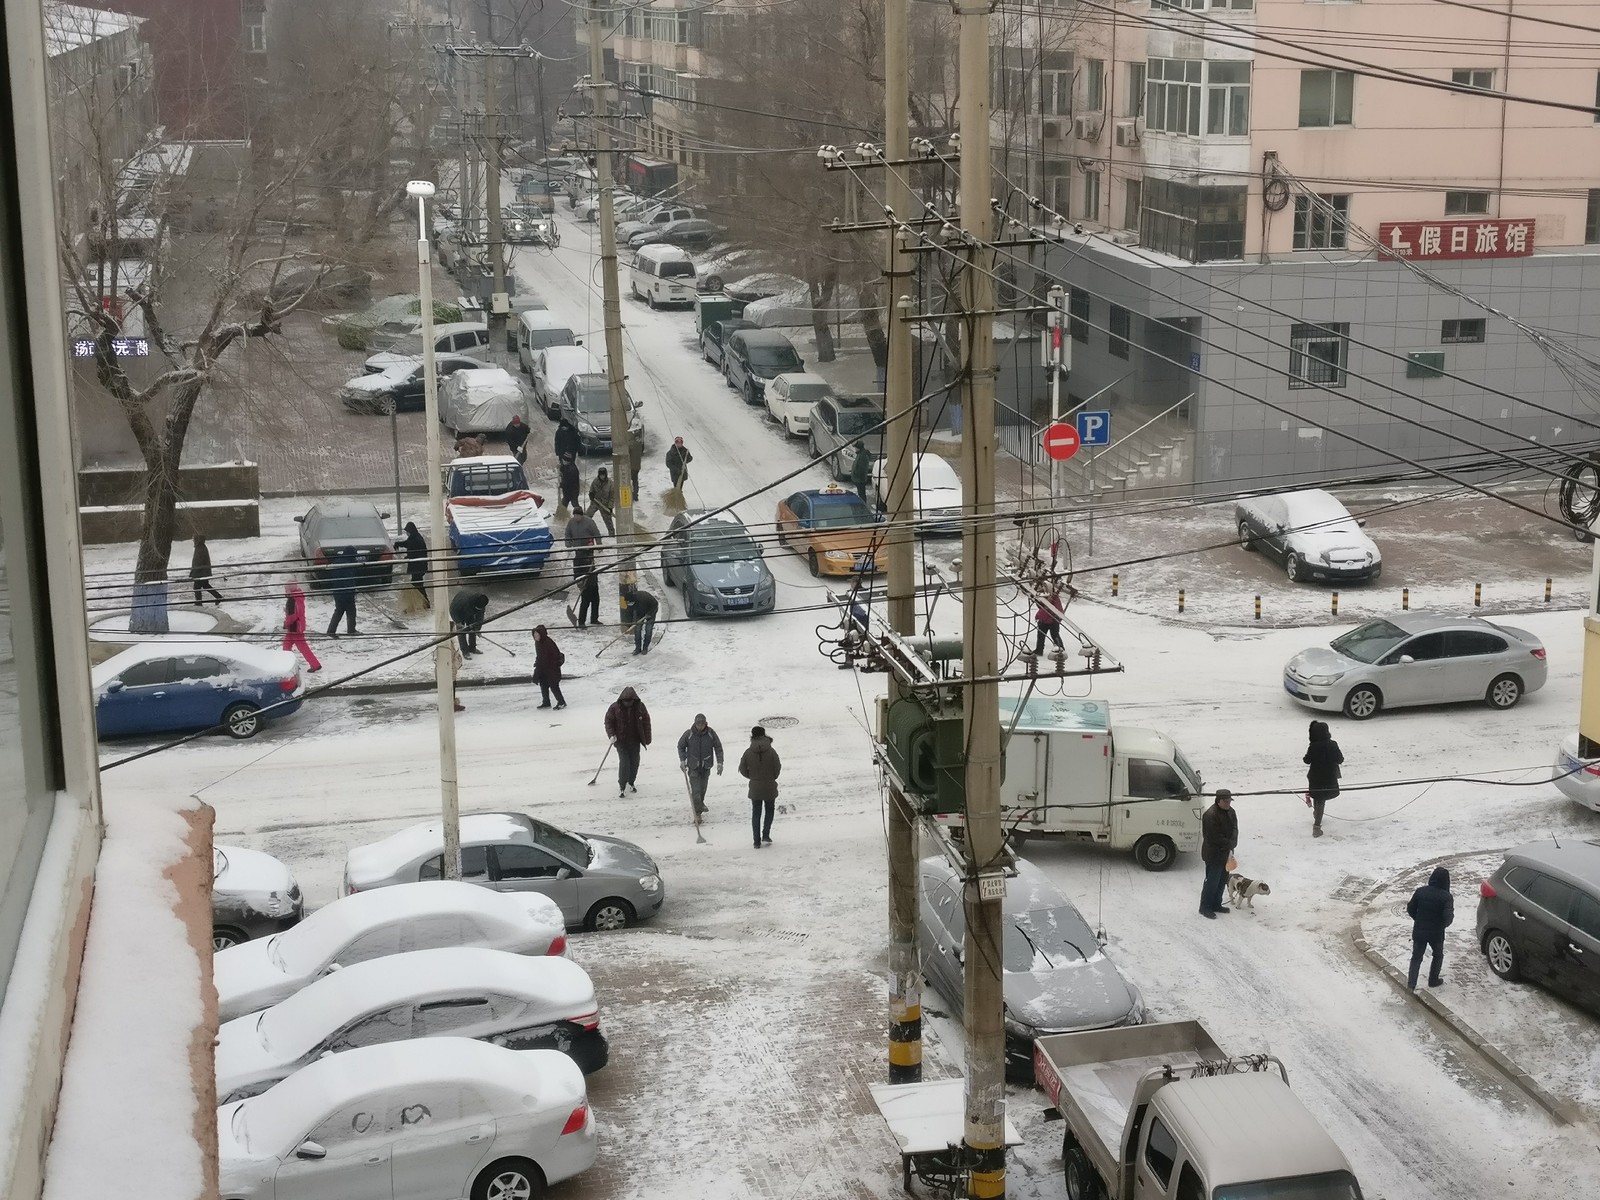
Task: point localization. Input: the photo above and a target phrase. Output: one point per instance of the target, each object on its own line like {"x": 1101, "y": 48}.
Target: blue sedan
{"x": 167, "y": 687}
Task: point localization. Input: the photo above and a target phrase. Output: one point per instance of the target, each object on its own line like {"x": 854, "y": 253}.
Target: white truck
{"x": 1159, "y": 1112}
{"x": 1071, "y": 773}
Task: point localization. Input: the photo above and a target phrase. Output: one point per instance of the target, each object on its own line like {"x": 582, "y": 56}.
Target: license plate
{"x": 864, "y": 565}
{"x": 737, "y": 602}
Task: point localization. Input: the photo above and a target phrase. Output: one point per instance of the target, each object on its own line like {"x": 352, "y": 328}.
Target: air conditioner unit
{"x": 1050, "y": 131}
{"x": 1128, "y": 133}
{"x": 1086, "y": 129}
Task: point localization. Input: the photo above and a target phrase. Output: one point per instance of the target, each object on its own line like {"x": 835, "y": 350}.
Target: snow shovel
{"x": 700, "y": 838}
{"x": 499, "y": 645}
{"x": 626, "y": 630}
{"x": 602, "y": 765}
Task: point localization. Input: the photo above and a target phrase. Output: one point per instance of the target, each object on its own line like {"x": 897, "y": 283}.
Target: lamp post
{"x": 438, "y": 539}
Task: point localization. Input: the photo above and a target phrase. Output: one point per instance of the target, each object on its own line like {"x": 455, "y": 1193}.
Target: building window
{"x": 1094, "y": 85}
{"x": 1461, "y": 329}
{"x": 1091, "y": 195}
{"x": 1228, "y": 98}
{"x": 1327, "y": 98}
{"x": 1466, "y": 204}
{"x": 255, "y": 31}
{"x": 1321, "y": 222}
{"x": 667, "y": 25}
{"x": 1172, "y": 95}
{"x": 1078, "y": 314}
{"x": 1318, "y": 355}
{"x": 1130, "y": 197}
{"x": 1135, "y": 89}
{"x": 1058, "y": 187}
{"x": 1426, "y": 364}
{"x": 1478, "y": 78}
{"x": 1591, "y": 217}
{"x": 1200, "y": 224}
{"x": 1055, "y": 82}
{"x": 1121, "y": 325}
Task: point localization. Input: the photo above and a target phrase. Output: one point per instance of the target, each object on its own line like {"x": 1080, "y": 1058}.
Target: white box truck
{"x": 1071, "y": 773}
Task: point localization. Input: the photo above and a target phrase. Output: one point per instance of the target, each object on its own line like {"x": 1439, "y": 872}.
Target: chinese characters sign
{"x": 122, "y": 347}
{"x": 1475, "y": 237}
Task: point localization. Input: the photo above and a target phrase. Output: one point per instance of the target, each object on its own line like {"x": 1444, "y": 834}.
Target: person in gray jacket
{"x": 759, "y": 764}
{"x": 698, "y": 749}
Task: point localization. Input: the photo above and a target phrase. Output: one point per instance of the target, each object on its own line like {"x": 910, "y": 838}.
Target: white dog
{"x": 1242, "y": 892}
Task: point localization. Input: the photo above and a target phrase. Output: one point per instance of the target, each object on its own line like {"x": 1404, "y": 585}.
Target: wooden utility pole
{"x": 985, "y": 1092}
{"x": 499, "y": 304}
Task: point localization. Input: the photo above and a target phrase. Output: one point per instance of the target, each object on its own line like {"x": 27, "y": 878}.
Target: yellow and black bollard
{"x": 1477, "y": 595}
{"x": 1547, "y": 582}
{"x": 1258, "y": 606}
{"x": 1116, "y": 581}
{"x": 1180, "y": 599}
{"x": 1336, "y": 604}
{"x": 1405, "y": 599}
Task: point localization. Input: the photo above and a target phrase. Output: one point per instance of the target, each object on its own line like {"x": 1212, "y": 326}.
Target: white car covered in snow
{"x": 935, "y": 493}
{"x": 252, "y": 895}
{"x": 512, "y": 1000}
{"x": 421, "y": 916}
{"x": 431, "y": 1119}
{"x": 790, "y": 399}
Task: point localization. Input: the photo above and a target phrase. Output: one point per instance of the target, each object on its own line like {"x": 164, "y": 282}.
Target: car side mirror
{"x": 1361, "y": 521}
{"x": 311, "y": 1150}
{"x": 300, "y": 519}
{"x": 1406, "y": 658}
{"x": 332, "y": 967}
{"x": 577, "y": 341}
{"x": 115, "y": 685}
{"x": 384, "y": 516}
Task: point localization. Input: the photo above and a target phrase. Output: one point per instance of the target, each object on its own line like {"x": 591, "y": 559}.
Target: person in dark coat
{"x": 568, "y": 443}
{"x": 417, "y": 560}
{"x": 603, "y": 500}
{"x": 517, "y": 438}
{"x": 588, "y": 599}
{"x": 641, "y": 614}
{"x": 1432, "y": 910}
{"x": 635, "y": 460}
{"x": 466, "y": 614}
{"x": 200, "y": 572}
{"x": 861, "y": 471}
{"x": 1219, "y": 834}
{"x": 582, "y": 536}
{"x": 1322, "y": 772}
{"x": 547, "y": 662}
{"x": 698, "y": 749}
{"x": 571, "y": 484}
{"x": 342, "y": 581}
{"x": 760, "y": 765}
{"x": 678, "y": 460}
{"x": 628, "y": 727}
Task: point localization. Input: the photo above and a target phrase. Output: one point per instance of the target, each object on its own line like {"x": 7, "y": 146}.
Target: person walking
{"x": 635, "y": 460}
{"x": 588, "y": 599}
{"x": 582, "y": 535}
{"x": 678, "y": 460}
{"x": 603, "y": 499}
{"x": 294, "y": 623}
{"x": 641, "y": 615}
{"x": 342, "y": 580}
{"x": 861, "y": 471}
{"x": 570, "y": 483}
{"x": 568, "y": 443}
{"x": 1432, "y": 910}
{"x": 1322, "y": 761}
{"x": 517, "y": 438}
{"x": 416, "y": 560}
{"x": 698, "y": 749}
{"x": 1047, "y": 624}
{"x": 628, "y": 727}
{"x": 547, "y": 664}
{"x": 759, "y": 764}
{"x": 1219, "y": 834}
{"x": 466, "y": 615}
{"x": 200, "y": 572}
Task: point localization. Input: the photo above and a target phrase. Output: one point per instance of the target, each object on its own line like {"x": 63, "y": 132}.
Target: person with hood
{"x": 635, "y": 460}
{"x": 628, "y": 727}
{"x": 861, "y": 471}
{"x": 416, "y": 560}
{"x": 1219, "y": 834}
{"x": 678, "y": 460}
{"x": 603, "y": 500}
{"x": 698, "y": 748}
{"x": 1432, "y": 910}
{"x": 1322, "y": 761}
{"x": 568, "y": 443}
{"x": 342, "y": 580}
{"x": 200, "y": 572}
{"x": 517, "y": 438}
{"x": 571, "y": 485}
{"x": 467, "y": 608}
{"x": 582, "y": 536}
{"x": 641, "y": 615}
{"x": 294, "y": 623}
{"x": 1047, "y": 623}
{"x": 547, "y": 663}
{"x": 588, "y": 599}
{"x": 759, "y": 764}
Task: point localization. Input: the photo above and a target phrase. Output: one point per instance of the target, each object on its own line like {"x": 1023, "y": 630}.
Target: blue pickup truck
{"x": 496, "y": 524}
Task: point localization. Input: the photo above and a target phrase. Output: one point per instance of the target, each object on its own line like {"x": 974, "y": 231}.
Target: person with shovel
{"x": 698, "y": 748}
{"x": 628, "y": 727}
{"x": 603, "y": 499}
{"x": 678, "y": 460}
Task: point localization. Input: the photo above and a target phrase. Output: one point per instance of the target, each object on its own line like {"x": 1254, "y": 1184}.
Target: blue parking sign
{"x": 1094, "y": 428}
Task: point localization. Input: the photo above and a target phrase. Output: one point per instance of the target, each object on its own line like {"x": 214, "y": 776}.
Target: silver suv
{"x": 840, "y": 424}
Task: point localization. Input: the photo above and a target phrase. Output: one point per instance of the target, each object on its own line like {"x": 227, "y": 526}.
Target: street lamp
{"x": 438, "y": 539}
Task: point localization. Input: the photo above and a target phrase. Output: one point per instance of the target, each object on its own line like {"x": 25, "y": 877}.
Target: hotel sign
{"x": 1478, "y": 237}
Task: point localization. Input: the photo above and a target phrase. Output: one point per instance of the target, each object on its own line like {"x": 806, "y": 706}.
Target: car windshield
{"x": 677, "y": 270}
{"x": 807, "y": 393}
{"x": 1190, "y": 775}
{"x": 350, "y": 529}
{"x": 293, "y": 1026}
{"x": 1370, "y": 642}
{"x": 558, "y": 841}
{"x": 774, "y": 358}
{"x": 852, "y": 424}
{"x": 721, "y": 547}
{"x": 410, "y": 345}
{"x": 1329, "y": 1185}
{"x": 310, "y": 945}
{"x": 840, "y": 512}
{"x": 1043, "y": 938}
{"x": 594, "y": 398}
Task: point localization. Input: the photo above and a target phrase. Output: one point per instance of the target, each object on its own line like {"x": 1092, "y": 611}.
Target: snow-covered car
{"x": 174, "y": 687}
{"x": 470, "y": 338}
{"x": 1055, "y": 975}
{"x": 717, "y": 564}
{"x": 427, "y": 1119}
{"x": 841, "y": 426}
{"x": 1576, "y": 776}
{"x": 528, "y": 224}
{"x": 1413, "y": 659}
{"x": 1311, "y": 534}
{"x": 481, "y": 401}
{"x": 423, "y": 916}
{"x": 252, "y": 895}
{"x": 791, "y": 397}
{"x": 511, "y": 1000}
{"x": 350, "y": 533}
{"x": 661, "y": 214}
{"x": 401, "y": 387}
{"x": 598, "y": 882}
{"x": 935, "y": 492}
{"x": 690, "y": 234}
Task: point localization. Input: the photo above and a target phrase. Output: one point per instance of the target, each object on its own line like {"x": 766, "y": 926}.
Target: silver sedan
{"x": 1412, "y": 659}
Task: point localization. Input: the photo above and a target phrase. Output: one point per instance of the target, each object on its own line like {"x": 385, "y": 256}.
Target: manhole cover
{"x": 778, "y": 722}
{"x": 780, "y": 935}
{"x": 1353, "y": 888}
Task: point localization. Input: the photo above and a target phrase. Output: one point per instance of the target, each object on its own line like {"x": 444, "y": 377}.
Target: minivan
{"x": 662, "y": 275}
{"x": 1539, "y": 918}
{"x": 456, "y": 337}
{"x": 553, "y": 366}
{"x": 536, "y": 330}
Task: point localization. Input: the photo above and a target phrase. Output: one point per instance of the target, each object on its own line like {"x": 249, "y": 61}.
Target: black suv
{"x": 1539, "y": 918}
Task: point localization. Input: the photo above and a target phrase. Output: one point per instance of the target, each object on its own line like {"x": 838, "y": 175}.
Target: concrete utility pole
{"x": 905, "y": 969}
{"x": 985, "y": 1094}
{"x": 499, "y": 303}
{"x": 1057, "y": 359}
{"x": 611, "y": 305}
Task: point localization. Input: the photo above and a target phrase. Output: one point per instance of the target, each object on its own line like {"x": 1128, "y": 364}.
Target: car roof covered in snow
{"x": 238, "y": 870}
{"x": 265, "y": 659}
{"x": 336, "y": 923}
{"x": 416, "y": 842}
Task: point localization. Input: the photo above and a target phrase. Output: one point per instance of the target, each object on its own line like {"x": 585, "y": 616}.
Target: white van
{"x": 662, "y": 275}
{"x": 553, "y": 366}
{"x": 537, "y": 329}
{"x": 455, "y": 337}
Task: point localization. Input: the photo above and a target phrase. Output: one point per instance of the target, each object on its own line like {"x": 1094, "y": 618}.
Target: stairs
{"x": 1159, "y": 455}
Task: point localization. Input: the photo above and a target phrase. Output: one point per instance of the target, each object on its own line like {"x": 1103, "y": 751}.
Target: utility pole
{"x": 905, "y": 969}
{"x": 985, "y": 1092}
{"x": 499, "y": 302}
{"x": 611, "y": 306}
{"x": 1057, "y": 358}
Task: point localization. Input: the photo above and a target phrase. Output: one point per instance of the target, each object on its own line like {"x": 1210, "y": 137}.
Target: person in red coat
{"x": 547, "y": 661}
{"x": 294, "y": 623}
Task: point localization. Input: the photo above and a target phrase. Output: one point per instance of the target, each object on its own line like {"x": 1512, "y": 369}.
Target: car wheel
{"x": 650, "y": 299}
{"x": 750, "y": 394}
{"x": 509, "y": 1179}
{"x": 387, "y": 405}
{"x": 634, "y": 288}
{"x": 1291, "y": 566}
{"x": 1018, "y": 838}
{"x": 1362, "y": 702}
{"x": 688, "y": 598}
{"x": 1504, "y": 692}
{"x": 1502, "y": 956}
{"x": 241, "y": 721}
{"x": 1155, "y": 852}
{"x": 222, "y": 937}
{"x": 705, "y": 355}
{"x": 1245, "y": 539}
{"x": 813, "y": 564}
{"x": 609, "y": 914}
{"x": 1081, "y": 1180}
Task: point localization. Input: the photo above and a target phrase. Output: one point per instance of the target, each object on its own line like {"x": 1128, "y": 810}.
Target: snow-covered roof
{"x": 69, "y": 26}
{"x": 382, "y": 859}
{"x": 257, "y": 658}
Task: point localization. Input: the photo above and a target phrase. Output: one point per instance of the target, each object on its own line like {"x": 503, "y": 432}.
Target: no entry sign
{"x": 1060, "y": 441}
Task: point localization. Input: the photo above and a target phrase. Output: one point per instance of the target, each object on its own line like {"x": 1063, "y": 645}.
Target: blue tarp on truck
{"x": 496, "y": 524}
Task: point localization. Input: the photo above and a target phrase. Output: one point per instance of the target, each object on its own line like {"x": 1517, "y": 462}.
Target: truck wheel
{"x": 1082, "y": 1182}
{"x": 1155, "y": 852}
{"x": 1018, "y": 838}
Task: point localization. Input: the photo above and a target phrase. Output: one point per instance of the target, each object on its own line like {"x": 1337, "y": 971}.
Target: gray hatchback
{"x": 599, "y": 882}
{"x": 1539, "y": 918}
{"x": 717, "y": 564}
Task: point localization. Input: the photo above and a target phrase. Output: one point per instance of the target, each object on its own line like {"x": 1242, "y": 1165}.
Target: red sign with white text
{"x": 1474, "y": 237}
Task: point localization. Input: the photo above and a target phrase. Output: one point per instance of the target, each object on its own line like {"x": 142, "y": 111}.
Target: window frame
{"x": 1151, "y": 1165}
{"x": 1121, "y": 343}
{"x": 1174, "y": 102}
{"x": 1462, "y": 331}
{"x": 1227, "y": 101}
{"x": 1333, "y": 79}
{"x": 1464, "y": 203}
{"x": 1080, "y": 310}
{"x": 1302, "y": 337}
{"x": 1469, "y": 77}
{"x": 1094, "y": 85}
{"x": 1425, "y": 364}
{"x": 1315, "y": 228}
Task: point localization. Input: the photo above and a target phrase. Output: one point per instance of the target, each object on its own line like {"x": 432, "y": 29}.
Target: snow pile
{"x": 128, "y": 1098}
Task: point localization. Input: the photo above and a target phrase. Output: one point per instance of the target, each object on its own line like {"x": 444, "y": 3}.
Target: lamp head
{"x": 420, "y": 188}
